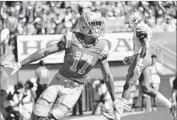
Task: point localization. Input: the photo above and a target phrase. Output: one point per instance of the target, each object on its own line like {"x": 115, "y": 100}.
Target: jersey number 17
{"x": 81, "y": 56}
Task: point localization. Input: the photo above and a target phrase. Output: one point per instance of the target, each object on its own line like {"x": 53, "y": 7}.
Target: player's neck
{"x": 89, "y": 39}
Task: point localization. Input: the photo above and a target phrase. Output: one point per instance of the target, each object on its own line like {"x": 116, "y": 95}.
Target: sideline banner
{"x": 120, "y": 45}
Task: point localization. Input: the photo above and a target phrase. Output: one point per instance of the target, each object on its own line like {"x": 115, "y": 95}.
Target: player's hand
{"x": 127, "y": 60}
{"x": 120, "y": 105}
{"x": 13, "y": 65}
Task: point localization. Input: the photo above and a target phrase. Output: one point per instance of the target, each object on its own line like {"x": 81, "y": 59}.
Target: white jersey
{"x": 141, "y": 29}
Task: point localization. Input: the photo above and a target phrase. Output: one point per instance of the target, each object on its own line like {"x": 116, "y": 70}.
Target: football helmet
{"x": 133, "y": 17}
{"x": 91, "y": 24}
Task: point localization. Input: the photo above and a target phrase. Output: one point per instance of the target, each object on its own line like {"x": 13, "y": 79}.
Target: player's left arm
{"x": 109, "y": 80}
{"x": 119, "y": 104}
{"x": 143, "y": 37}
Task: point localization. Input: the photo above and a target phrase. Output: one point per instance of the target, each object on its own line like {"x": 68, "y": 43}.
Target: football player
{"x": 4, "y": 82}
{"x": 141, "y": 60}
{"x": 174, "y": 90}
{"x": 83, "y": 50}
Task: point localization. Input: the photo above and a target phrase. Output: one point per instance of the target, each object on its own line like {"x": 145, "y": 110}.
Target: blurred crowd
{"x": 18, "y": 99}
{"x": 54, "y": 17}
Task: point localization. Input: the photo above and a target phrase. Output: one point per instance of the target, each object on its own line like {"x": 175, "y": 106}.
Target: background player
{"x": 140, "y": 65}
{"x": 4, "y": 82}
{"x": 82, "y": 51}
{"x": 174, "y": 91}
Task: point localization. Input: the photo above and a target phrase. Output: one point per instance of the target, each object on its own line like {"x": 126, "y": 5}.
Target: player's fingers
{"x": 126, "y": 107}
{"x": 14, "y": 71}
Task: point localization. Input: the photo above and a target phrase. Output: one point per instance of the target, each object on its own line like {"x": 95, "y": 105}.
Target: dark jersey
{"x": 79, "y": 60}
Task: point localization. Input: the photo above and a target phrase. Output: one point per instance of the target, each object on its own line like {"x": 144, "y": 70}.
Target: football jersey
{"x": 79, "y": 59}
{"x": 141, "y": 30}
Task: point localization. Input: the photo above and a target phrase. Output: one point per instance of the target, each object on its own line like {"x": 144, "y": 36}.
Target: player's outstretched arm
{"x": 119, "y": 104}
{"x": 41, "y": 54}
{"x": 37, "y": 55}
{"x": 109, "y": 80}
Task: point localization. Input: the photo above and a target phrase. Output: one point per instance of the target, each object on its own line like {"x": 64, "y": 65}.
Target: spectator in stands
{"x": 21, "y": 25}
{"x": 4, "y": 82}
{"x": 14, "y": 108}
{"x": 28, "y": 100}
{"x": 174, "y": 91}
{"x": 48, "y": 12}
{"x": 136, "y": 95}
{"x": 78, "y": 107}
{"x": 39, "y": 26}
{"x": 4, "y": 37}
{"x": 155, "y": 78}
{"x": 96, "y": 95}
{"x": 11, "y": 22}
{"x": 43, "y": 79}
{"x": 105, "y": 99}
{"x": 169, "y": 25}
{"x": 29, "y": 27}
{"x": 104, "y": 103}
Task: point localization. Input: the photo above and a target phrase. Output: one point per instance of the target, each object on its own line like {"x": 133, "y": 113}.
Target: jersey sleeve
{"x": 142, "y": 32}
{"x": 65, "y": 41}
{"x": 104, "y": 52}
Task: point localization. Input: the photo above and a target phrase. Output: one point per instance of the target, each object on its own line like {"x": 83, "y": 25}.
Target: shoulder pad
{"x": 142, "y": 31}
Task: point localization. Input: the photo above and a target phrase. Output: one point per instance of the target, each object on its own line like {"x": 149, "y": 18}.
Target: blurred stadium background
{"x": 28, "y": 26}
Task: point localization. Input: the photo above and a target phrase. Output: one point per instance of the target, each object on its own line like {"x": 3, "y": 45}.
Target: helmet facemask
{"x": 133, "y": 18}
{"x": 90, "y": 26}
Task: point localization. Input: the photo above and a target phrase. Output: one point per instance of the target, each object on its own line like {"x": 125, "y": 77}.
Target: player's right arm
{"x": 61, "y": 45}
{"x": 44, "y": 52}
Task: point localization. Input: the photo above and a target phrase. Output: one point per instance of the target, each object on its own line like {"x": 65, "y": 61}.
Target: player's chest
{"x": 83, "y": 54}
